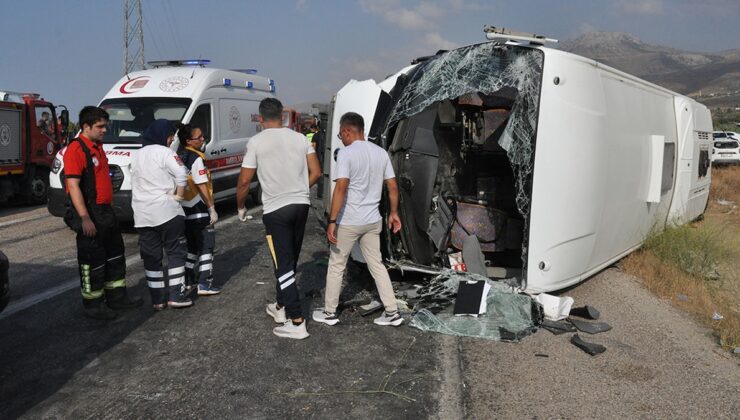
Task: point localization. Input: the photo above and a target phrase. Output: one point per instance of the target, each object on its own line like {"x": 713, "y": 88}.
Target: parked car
{"x": 726, "y": 148}
{"x": 4, "y": 283}
{"x": 726, "y": 135}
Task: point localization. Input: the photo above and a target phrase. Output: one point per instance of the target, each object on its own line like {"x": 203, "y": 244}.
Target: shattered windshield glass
{"x": 510, "y": 316}
{"x": 485, "y": 68}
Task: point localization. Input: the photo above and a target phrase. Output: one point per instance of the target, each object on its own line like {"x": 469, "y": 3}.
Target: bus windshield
{"x": 129, "y": 117}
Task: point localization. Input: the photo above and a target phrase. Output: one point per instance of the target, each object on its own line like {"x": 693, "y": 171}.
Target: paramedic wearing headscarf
{"x": 156, "y": 172}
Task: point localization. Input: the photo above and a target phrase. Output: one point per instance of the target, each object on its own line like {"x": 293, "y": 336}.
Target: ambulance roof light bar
{"x": 502, "y": 34}
{"x": 178, "y": 63}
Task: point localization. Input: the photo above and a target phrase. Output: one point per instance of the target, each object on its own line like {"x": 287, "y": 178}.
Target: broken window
{"x": 461, "y": 131}
{"x": 510, "y": 316}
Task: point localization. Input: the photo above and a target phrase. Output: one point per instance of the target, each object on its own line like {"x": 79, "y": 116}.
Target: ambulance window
{"x": 45, "y": 121}
{"x": 202, "y": 119}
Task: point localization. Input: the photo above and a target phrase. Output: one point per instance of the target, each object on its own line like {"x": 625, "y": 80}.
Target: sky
{"x": 71, "y": 51}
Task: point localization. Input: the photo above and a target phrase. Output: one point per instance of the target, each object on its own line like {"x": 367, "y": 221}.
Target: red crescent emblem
{"x": 123, "y": 87}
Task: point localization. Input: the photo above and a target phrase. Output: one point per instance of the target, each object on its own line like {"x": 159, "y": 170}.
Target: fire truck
{"x": 29, "y": 138}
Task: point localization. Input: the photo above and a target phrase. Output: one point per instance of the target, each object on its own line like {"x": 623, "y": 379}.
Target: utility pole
{"x": 133, "y": 28}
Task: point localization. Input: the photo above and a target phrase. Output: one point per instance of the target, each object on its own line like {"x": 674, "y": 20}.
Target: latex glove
{"x": 242, "y": 214}
{"x": 213, "y": 214}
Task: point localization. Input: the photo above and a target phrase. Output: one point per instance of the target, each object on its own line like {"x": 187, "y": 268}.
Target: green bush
{"x": 697, "y": 250}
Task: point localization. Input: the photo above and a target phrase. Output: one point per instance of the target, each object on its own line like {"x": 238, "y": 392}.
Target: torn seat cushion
{"x": 486, "y": 223}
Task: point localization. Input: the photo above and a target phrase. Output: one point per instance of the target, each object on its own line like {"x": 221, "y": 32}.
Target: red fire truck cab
{"x": 29, "y": 138}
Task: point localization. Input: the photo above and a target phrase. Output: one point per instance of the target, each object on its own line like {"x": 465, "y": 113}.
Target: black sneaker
{"x": 100, "y": 311}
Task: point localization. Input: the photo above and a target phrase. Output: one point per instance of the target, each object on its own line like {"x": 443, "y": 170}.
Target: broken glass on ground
{"x": 509, "y": 317}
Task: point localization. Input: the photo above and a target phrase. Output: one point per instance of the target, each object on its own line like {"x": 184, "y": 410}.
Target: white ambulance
{"x": 223, "y": 103}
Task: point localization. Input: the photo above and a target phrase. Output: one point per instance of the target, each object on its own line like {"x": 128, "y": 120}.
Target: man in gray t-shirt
{"x": 286, "y": 166}
{"x": 361, "y": 170}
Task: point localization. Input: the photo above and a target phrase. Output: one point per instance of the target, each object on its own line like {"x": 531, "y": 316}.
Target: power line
{"x": 152, "y": 35}
{"x": 133, "y": 36}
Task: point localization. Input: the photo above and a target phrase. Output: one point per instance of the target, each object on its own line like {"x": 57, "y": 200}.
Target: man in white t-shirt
{"x": 286, "y": 166}
{"x": 361, "y": 170}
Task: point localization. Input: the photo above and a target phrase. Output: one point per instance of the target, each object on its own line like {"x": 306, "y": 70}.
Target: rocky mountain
{"x": 712, "y": 78}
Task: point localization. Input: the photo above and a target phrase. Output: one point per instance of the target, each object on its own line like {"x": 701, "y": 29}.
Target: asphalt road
{"x": 219, "y": 359}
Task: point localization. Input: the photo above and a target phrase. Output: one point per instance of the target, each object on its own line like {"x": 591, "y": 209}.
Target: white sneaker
{"x": 324, "y": 317}
{"x": 394, "y": 319}
{"x": 290, "y": 330}
{"x": 277, "y": 314}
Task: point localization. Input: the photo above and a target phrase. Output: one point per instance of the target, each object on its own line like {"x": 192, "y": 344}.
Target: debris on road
{"x": 586, "y": 312}
{"x": 558, "y": 327}
{"x": 591, "y": 348}
{"x": 590, "y": 327}
{"x": 510, "y": 316}
{"x": 556, "y": 308}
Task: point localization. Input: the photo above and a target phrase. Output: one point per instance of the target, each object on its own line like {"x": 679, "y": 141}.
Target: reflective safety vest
{"x": 192, "y": 190}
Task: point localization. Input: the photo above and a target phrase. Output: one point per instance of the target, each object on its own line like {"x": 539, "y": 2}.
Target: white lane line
{"x": 31, "y": 300}
{"x": 28, "y": 301}
{"x": 24, "y": 219}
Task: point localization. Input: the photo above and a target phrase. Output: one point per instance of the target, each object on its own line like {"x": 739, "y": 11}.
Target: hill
{"x": 711, "y": 78}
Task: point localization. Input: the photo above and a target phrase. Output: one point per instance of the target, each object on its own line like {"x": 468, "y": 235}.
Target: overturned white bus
{"x": 557, "y": 164}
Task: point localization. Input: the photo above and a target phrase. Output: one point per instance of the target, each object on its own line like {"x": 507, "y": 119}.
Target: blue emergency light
{"x": 250, "y": 85}
{"x": 227, "y": 82}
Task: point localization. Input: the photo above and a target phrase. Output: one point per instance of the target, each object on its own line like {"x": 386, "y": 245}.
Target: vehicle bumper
{"x": 121, "y": 204}
{"x": 726, "y": 161}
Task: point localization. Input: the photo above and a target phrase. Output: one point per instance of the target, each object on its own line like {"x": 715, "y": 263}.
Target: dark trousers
{"x": 284, "y": 229}
{"x": 169, "y": 238}
{"x": 201, "y": 241}
{"x": 101, "y": 258}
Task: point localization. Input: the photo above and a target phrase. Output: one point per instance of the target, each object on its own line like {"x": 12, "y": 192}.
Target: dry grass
{"x": 725, "y": 188}
{"x": 701, "y": 261}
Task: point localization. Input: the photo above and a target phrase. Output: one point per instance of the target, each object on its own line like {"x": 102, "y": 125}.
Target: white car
{"x": 726, "y": 147}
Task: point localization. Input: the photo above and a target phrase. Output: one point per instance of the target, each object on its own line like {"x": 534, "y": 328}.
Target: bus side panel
{"x": 592, "y": 165}
{"x": 567, "y": 198}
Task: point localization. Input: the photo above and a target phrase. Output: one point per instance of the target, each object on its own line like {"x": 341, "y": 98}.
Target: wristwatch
{"x": 330, "y": 221}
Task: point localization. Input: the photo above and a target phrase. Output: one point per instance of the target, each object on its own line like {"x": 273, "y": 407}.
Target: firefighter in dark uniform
{"x": 100, "y": 249}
